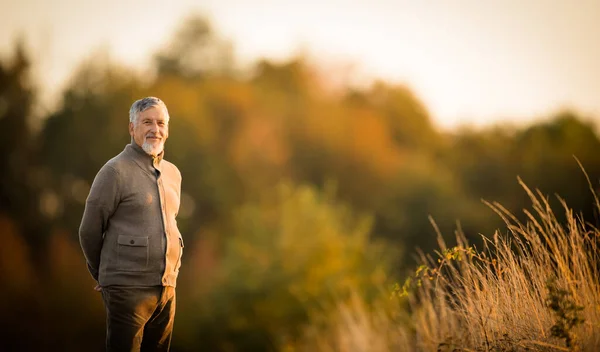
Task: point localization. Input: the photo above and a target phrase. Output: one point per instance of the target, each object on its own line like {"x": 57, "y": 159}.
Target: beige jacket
{"x": 128, "y": 233}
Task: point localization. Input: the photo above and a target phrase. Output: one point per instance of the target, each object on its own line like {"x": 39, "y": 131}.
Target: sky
{"x": 470, "y": 62}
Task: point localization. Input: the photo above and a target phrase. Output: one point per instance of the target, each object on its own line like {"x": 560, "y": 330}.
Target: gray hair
{"x": 144, "y": 104}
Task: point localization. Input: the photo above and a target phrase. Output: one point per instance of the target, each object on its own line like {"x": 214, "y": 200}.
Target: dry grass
{"x": 496, "y": 299}
{"x": 493, "y": 299}
{"x": 354, "y": 326}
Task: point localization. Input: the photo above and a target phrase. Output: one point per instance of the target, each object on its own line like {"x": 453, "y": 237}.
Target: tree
{"x": 546, "y": 160}
{"x": 196, "y": 52}
{"x": 20, "y": 180}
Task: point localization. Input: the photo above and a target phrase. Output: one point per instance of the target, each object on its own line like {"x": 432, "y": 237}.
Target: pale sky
{"x": 469, "y": 61}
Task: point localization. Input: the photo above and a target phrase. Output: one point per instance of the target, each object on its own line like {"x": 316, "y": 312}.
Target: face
{"x": 150, "y": 130}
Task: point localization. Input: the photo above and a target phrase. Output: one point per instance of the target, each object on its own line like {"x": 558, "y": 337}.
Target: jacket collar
{"x": 146, "y": 161}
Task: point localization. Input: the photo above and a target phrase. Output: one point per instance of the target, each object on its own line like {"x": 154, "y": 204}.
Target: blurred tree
{"x": 546, "y": 161}
{"x": 196, "y": 52}
{"x": 406, "y": 117}
{"x": 484, "y": 162}
{"x": 293, "y": 252}
{"x": 19, "y": 181}
{"x": 424, "y": 189}
{"x": 487, "y": 162}
{"x": 292, "y": 82}
{"x": 380, "y": 147}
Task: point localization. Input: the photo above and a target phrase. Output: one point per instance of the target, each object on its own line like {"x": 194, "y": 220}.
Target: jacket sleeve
{"x": 100, "y": 205}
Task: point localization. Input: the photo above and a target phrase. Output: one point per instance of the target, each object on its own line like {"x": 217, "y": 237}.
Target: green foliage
{"x": 447, "y": 257}
{"x": 567, "y": 313}
{"x": 292, "y": 254}
{"x": 424, "y": 190}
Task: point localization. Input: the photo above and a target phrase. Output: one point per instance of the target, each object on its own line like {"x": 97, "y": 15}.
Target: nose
{"x": 154, "y": 128}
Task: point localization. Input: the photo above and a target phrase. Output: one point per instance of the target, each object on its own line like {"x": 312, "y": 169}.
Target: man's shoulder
{"x": 114, "y": 166}
{"x": 119, "y": 162}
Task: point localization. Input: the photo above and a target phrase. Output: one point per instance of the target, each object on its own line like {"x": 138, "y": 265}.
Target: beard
{"x": 153, "y": 149}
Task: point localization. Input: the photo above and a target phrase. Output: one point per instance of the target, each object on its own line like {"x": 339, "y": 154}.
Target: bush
{"x": 292, "y": 255}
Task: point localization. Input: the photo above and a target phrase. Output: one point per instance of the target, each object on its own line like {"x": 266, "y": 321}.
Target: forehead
{"x": 153, "y": 113}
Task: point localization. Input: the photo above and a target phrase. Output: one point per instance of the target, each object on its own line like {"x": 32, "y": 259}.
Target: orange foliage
{"x": 259, "y": 142}
{"x": 371, "y": 144}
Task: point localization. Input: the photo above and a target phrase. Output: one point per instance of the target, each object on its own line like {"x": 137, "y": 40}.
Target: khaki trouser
{"x": 139, "y": 318}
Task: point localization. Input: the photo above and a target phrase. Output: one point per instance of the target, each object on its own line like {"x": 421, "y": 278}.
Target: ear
{"x": 131, "y": 129}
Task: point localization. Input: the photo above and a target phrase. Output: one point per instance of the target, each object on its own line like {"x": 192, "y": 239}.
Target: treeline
{"x": 293, "y": 190}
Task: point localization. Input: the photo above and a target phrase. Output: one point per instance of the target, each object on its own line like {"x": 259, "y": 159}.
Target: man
{"x": 129, "y": 235}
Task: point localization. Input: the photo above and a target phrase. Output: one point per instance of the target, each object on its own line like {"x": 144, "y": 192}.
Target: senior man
{"x": 130, "y": 238}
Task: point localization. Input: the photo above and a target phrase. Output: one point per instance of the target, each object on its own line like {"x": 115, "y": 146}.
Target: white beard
{"x": 153, "y": 150}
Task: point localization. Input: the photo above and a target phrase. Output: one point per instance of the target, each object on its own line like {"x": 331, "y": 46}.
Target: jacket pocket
{"x": 132, "y": 253}
{"x": 180, "y": 254}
